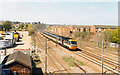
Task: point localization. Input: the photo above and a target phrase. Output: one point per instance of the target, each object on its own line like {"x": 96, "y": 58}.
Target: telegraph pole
{"x": 56, "y": 41}
{"x": 102, "y": 53}
{"x": 46, "y": 56}
{"x": 80, "y": 39}
{"x": 0, "y": 56}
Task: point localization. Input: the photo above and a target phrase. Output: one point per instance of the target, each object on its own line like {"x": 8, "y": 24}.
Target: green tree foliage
{"x": 21, "y": 26}
{"x": 30, "y": 29}
{"x": 84, "y": 30}
{"x": 7, "y": 25}
{"x": 40, "y": 26}
{"x": 26, "y": 26}
{"x": 107, "y": 35}
{"x": 112, "y": 36}
{"x": 116, "y": 37}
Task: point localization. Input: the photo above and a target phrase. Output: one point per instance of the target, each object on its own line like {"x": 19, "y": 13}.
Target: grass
{"x": 80, "y": 63}
{"x": 70, "y": 60}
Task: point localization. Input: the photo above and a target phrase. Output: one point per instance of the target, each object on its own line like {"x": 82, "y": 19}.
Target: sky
{"x": 79, "y": 12}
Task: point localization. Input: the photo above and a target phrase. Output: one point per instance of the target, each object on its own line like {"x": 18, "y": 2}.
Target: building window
{"x": 96, "y": 31}
{"x": 73, "y": 27}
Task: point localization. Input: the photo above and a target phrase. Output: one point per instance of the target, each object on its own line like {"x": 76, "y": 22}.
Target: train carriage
{"x": 65, "y": 41}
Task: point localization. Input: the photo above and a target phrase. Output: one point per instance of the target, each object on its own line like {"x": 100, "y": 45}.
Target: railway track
{"x": 107, "y": 59}
{"x": 59, "y": 65}
{"x": 96, "y": 62}
{"x": 100, "y": 54}
{"x": 98, "y": 49}
{"x": 109, "y": 64}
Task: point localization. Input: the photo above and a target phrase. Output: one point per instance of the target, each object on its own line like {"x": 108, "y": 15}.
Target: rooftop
{"x": 19, "y": 57}
{"x": 105, "y": 26}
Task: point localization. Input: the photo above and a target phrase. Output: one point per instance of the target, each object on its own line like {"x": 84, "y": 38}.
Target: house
{"x": 81, "y": 28}
{"x": 18, "y": 63}
{"x": 67, "y": 29}
{"x": 61, "y": 29}
{"x": 97, "y": 29}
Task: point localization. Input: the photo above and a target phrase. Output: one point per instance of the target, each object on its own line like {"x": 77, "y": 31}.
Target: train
{"x": 64, "y": 41}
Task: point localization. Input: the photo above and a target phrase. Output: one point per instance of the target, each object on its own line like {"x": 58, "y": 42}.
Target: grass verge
{"x": 70, "y": 60}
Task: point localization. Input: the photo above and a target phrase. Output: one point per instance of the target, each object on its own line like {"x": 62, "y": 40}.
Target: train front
{"x": 73, "y": 44}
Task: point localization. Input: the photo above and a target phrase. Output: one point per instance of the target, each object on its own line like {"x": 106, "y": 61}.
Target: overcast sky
{"x": 61, "y": 12}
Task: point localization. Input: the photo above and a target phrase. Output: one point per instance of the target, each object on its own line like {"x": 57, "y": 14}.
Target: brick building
{"x": 67, "y": 29}
{"x": 96, "y": 29}
{"x": 19, "y": 63}
{"x": 81, "y": 28}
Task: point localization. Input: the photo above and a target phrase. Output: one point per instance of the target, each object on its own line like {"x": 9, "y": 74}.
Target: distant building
{"x": 18, "y": 63}
{"x": 67, "y": 29}
{"x": 81, "y": 28}
{"x": 97, "y": 29}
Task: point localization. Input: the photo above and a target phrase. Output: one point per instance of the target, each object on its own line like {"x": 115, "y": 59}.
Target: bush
{"x": 30, "y": 29}
{"x": 107, "y": 35}
{"x": 80, "y": 34}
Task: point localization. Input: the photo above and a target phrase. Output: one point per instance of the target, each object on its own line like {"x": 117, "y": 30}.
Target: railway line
{"x": 108, "y": 56}
{"x": 60, "y": 67}
{"x": 109, "y": 64}
{"x": 107, "y": 59}
{"x": 98, "y": 49}
{"x": 98, "y": 56}
{"x": 86, "y": 56}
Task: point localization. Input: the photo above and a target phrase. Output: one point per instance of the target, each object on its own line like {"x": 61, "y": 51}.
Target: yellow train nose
{"x": 73, "y": 47}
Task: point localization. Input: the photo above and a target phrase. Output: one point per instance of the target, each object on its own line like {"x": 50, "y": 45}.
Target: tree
{"x": 84, "y": 30}
{"x": 21, "y": 26}
{"x": 80, "y": 34}
{"x": 108, "y": 34}
{"x": 26, "y": 26}
{"x": 116, "y": 38}
{"x": 7, "y": 25}
{"x": 30, "y": 29}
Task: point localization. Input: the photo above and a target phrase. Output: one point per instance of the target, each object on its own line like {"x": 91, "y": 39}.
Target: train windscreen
{"x": 73, "y": 42}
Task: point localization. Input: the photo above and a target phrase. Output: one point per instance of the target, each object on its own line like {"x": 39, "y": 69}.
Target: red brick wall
{"x": 20, "y": 69}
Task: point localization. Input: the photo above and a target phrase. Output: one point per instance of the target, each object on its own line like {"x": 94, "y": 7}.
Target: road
{"x": 24, "y": 43}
